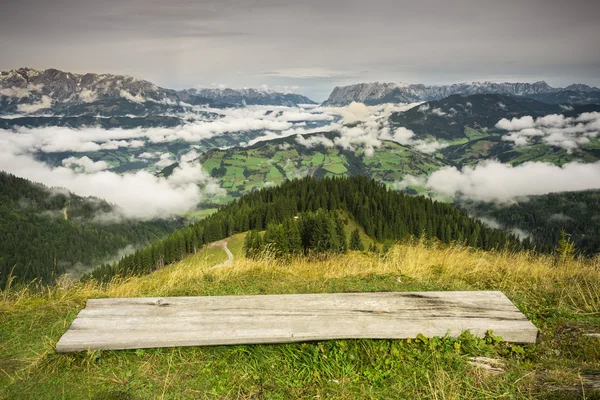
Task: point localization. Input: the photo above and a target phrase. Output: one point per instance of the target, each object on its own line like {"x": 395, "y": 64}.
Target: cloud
{"x": 85, "y": 164}
{"x": 354, "y": 112}
{"x": 138, "y": 98}
{"x": 503, "y": 183}
{"x": 45, "y": 102}
{"x": 405, "y": 136}
{"x": 516, "y": 124}
{"x": 189, "y": 156}
{"x": 438, "y": 112}
{"x": 139, "y": 195}
{"x": 308, "y": 73}
{"x": 554, "y": 129}
{"x": 368, "y": 134}
{"x": 147, "y": 155}
{"x": 21, "y": 92}
{"x": 165, "y": 160}
{"x": 88, "y": 96}
{"x": 428, "y": 146}
{"x": 314, "y": 141}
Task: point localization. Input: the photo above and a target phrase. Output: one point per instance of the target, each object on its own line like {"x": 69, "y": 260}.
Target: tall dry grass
{"x": 572, "y": 284}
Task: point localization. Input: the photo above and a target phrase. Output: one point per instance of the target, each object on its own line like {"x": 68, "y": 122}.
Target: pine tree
{"x": 355, "y": 242}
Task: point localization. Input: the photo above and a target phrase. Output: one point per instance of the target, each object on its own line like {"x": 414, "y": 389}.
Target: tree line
{"x": 384, "y": 215}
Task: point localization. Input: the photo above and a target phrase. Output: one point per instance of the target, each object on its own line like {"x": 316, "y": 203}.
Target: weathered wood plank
{"x": 128, "y": 323}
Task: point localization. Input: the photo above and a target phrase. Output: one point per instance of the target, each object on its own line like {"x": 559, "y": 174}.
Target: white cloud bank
{"x": 85, "y": 164}
{"x": 554, "y": 129}
{"x": 368, "y": 126}
{"x": 497, "y": 182}
{"x": 139, "y": 195}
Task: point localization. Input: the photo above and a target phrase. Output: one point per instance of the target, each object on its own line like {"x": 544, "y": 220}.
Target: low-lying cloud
{"x": 405, "y": 137}
{"x": 45, "y": 102}
{"x": 555, "y": 130}
{"x": 493, "y": 181}
{"x": 85, "y": 164}
{"x": 314, "y": 141}
{"x": 139, "y": 195}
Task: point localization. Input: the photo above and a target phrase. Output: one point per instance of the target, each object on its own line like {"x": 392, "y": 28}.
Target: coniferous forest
{"x": 545, "y": 217}
{"x": 310, "y": 233}
{"x": 44, "y": 232}
{"x": 384, "y": 215}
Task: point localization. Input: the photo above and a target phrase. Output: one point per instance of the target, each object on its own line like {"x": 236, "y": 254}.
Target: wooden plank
{"x": 132, "y": 323}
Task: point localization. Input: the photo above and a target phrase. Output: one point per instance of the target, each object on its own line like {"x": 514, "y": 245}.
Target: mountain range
{"x": 27, "y": 90}
{"x": 54, "y": 92}
{"x": 379, "y": 93}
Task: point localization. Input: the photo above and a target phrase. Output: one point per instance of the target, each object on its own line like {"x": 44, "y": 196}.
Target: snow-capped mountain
{"x": 27, "y": 90}
{"x": 378, "y": 93}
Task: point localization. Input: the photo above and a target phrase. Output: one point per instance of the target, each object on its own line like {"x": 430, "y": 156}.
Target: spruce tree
{"x": 355, "y": 242}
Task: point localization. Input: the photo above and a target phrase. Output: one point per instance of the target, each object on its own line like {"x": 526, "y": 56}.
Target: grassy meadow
{"x": 561, "y": 297}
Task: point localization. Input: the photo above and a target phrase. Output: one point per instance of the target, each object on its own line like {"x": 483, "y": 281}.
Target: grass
{"x": 561, "y": 298}
{"x": 200, "y": 214}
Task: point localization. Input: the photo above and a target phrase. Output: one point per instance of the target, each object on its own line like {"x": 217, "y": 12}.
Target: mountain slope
{"x": 544, "y": 217}
{"x": 379, "y": 93}
{"x": 456, "y": 131}
{"x": 240, "y": 170}
{"x": 468, "y": 125}
{"x": 447, "y": 118}
{"x": 384, "y": 215}
{"x": 45, "y": 232}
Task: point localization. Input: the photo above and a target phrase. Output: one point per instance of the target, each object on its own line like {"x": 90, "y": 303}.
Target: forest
{"x": 310, "y": 233}
{"x": 384, "y": 215}
{"x": 544, "y": 217}
{"x": 44, "y": 232}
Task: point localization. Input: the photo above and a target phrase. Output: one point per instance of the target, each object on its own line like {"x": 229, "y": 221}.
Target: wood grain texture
{"x": 132, "y": 323}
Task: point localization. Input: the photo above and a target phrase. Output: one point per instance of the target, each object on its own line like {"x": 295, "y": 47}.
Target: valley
{"x": 145, "y": 191}
{"x": 317, "y": 199}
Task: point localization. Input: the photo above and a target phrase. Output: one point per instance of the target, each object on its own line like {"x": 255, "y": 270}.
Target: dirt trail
{"x": 223, "y": 244}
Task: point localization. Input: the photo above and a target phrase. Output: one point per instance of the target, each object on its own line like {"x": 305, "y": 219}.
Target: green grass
{"x": 200, "y": 214}
{"x": 274, "y": 175}
{"x": 562, "y": 300}
{"x": 236, "y": 245}
{"x": 317, "y": 159}
{"x": 474, "y": 134}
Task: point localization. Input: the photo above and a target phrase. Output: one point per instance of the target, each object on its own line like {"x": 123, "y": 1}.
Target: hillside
{"x": 543, "y": 218}
{"x": 419, "y": 245}
{"x": 559, "y": 298}
{"x": 384, "y": 215}
{"x": 47, "y": 232}
{"x": 452, "y": 114}
{"x": 241, "y": 170}
{"x": 455, "y": 132}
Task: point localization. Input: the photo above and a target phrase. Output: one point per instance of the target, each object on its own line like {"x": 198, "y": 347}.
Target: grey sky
{"x": 312, "y": 44}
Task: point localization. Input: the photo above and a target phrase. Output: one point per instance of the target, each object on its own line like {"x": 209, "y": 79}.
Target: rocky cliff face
{"x": 378, "y": 93}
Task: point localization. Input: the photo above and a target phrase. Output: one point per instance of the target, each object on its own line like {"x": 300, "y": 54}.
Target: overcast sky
{"x": 312, "y": 44}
